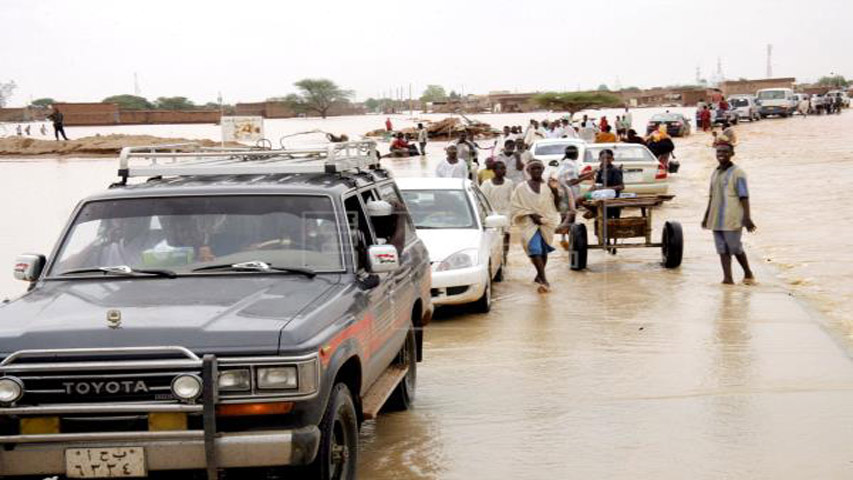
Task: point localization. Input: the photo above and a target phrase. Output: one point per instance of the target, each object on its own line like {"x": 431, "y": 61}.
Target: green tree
{"x": 293, "y": 102}
{"x": 174, "y": 103}
{"x": 834, "y": 81}
{"x": 454, "y": 96}
{"x": 319, "y": 95}
{"x": 42, "y": 102}
{"x": 372, "y": 104}
{"x": 6, "y": 89}
{"x": 129, "y": 102}
{"x": 603, "y": 88}
{"x": 574, "y": 102}
{"x": 434, "y": 93}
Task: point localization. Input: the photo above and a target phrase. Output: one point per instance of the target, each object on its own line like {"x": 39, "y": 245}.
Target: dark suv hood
{"x": 228, "y": 314}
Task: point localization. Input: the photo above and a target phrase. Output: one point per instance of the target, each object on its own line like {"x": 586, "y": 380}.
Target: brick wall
{"x": 250, "y": 109}
{"x": 89, "y": 113}
{"x": 13, "y": 114}
{"x": 133, "y": 117}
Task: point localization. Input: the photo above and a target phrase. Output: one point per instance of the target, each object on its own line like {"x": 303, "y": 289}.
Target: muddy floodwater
{"x": 625, "y": 370}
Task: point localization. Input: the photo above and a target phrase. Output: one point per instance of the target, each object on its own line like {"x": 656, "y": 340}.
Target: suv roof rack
{"x": 181, "y": 159}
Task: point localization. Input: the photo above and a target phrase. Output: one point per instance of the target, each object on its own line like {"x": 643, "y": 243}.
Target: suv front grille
{"x": 137, "y": 386}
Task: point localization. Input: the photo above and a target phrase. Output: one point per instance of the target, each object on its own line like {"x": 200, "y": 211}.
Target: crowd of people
{"x": 540, "y": 207}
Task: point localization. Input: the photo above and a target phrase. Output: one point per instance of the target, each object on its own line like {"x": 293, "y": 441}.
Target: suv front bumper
{"x": 180, "y": 450}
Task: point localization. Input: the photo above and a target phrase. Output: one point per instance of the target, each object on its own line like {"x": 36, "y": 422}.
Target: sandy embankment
{"x": 86, "y": 146}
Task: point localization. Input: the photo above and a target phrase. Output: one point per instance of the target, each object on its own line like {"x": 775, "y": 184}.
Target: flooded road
{"x": 626, "y": 370}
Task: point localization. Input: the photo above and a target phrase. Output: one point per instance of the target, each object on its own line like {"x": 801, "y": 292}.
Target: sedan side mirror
{"x": 496, "y": 221}
{"x": 383, "y": 258}
{"x": 28, "y": 267}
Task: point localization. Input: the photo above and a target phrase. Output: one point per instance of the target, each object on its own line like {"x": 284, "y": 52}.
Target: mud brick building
{"x": 735, "y": 87}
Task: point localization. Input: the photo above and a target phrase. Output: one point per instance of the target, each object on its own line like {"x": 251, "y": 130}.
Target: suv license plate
{"x": 118, "y": 462}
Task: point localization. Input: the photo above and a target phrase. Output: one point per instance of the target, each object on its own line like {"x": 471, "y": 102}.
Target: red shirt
{"x": 399, "y": 143}
{"x": 388, "y": 124}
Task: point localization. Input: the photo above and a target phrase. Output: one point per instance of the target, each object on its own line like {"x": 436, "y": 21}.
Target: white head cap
{"x": 379, "y": 208}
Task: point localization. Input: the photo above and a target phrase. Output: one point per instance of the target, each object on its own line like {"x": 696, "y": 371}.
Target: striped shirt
{"x": 728, "y": 187}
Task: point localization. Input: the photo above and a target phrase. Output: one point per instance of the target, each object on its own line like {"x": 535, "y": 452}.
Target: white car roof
{"x": 432, "y": 183}
{"x": 557, "y": 141}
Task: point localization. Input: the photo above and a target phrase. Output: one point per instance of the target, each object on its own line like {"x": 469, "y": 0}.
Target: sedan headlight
{"x": 278, "y": 378}
{"x": 461, "y": 259}
{"x": 238, "y": 380}
{"x": 11, "y": 390}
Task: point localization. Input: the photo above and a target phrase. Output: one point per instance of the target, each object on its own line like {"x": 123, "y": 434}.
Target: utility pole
{"x": 769, "y": 60}
{"x": 136, "y": 90}
{"x": 411, "y": 108}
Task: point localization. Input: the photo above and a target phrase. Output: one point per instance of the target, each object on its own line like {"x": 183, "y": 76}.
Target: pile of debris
{"x": 88, "y": 146}
{"x": 446, "y": 129}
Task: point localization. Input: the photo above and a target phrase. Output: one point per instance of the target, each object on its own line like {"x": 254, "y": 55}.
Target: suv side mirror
{"x": 28, "y": 267}
{"x": 496, "y": 221}
{"x": 383, "y": 258}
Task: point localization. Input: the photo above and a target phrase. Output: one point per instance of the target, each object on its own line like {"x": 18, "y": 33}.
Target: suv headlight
{"x": 278, "y": 378}
{"x": 461, "y": 259}
{"x": 11, "y": 390}
{"x": 187, "y": 387}
{"x": 237, "y": 380}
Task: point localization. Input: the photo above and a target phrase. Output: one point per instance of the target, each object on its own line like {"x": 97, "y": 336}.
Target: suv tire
{"x": 338, "y": 453}
{"x": 403, "y": 395}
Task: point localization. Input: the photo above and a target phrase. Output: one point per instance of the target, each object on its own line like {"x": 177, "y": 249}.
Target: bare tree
{"x": 6, "y": 89}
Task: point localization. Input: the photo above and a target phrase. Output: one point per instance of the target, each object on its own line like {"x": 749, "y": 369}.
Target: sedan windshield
{"x": 739, "y": 102}
{"x": 666, "y": 117}
{"x": 627, "y": 153}
{"x": 183, "y": 234}
{"x": 439, "y": 208}
{"x": 551, "y": 148}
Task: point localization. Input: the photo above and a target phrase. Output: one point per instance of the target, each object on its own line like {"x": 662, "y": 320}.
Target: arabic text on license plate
{"x": 633, "y": 177}
{"x": 109, "y": 462}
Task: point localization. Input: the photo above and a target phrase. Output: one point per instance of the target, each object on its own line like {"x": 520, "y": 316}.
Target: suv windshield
{"x": 439, "y": 208}
{"x": 771, "y": 95}
{"x": 185, "y": 233}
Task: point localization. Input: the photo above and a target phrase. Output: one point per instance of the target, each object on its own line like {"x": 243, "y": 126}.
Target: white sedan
{"x": 551, "y": 151}
{"x": 464, "y": 237}
{"x": 641, "y": 172}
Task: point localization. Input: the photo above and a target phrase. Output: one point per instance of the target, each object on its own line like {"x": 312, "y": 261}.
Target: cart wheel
{"x": 673, "y": 244}
{"x": 577, "y": 246}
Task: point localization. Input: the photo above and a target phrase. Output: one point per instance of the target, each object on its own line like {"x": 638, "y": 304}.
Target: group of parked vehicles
{"x": 782, "y": 102}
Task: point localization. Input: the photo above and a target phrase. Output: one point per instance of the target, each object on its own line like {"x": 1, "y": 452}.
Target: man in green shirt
{"x": 728, "y": 213}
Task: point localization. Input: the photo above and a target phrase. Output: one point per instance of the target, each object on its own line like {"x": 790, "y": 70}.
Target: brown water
{"x": 626, "y": 370}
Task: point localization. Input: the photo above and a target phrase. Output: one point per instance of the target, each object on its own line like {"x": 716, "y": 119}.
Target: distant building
{"x": 735, "y": 87}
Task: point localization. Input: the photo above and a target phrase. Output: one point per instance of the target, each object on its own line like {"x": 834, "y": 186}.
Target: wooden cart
{"x": 612, "y": 230}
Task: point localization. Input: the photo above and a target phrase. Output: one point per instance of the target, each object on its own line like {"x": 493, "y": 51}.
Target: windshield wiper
{"x": 123, "y": 270}
{"x": 256, "y": 266}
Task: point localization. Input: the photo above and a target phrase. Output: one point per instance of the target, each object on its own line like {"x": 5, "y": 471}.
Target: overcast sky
{"x": 249, "y": 50}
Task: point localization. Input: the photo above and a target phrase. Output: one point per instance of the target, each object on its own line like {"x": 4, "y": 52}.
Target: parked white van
{"x": 776, "y": 101}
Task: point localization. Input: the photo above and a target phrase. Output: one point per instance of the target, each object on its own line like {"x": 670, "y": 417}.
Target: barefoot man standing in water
{"x": 728, "y": 213}
{"x": 534, "y": 210}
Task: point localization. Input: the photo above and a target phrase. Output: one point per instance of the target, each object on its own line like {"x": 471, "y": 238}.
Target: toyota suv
{"x": 242, "y": 308}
